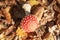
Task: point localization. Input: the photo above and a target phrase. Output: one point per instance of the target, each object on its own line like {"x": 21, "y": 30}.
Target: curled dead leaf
{"x": 56, "y": 8}
{"x": 58, "y": 1}
{"x": 58, "y": 16}
{"x": 58, "y": 23}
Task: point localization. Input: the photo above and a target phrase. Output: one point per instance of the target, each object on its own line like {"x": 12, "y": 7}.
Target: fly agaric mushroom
{"x": 31, "y": 22}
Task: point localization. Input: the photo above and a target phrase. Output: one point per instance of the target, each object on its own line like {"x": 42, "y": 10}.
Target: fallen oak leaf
{"x": 31, "y": 22}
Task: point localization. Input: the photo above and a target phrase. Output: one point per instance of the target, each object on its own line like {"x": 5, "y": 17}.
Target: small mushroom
{"x": 31, "y": 22}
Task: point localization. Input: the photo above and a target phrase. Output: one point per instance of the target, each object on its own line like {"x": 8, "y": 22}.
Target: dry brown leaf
{"x": 7, "y": 14}
{"x": 56, "y": 8}
{"x": 58, "y": 1}
{"x": 2, "y": 36}
{"x": 49, "y": 36}
{"x": 43, "y": 2}
{"x": 9, "y": 30}
{"x": 58, "y": 16}
{"x": 10, "y": 37}
{"x": 58, "y": 23}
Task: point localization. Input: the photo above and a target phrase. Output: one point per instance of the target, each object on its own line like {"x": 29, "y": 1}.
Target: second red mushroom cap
{"x": 29, "y": 23}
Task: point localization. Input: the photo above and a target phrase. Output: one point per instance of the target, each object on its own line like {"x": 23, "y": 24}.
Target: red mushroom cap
{"x": 30, "y": 23}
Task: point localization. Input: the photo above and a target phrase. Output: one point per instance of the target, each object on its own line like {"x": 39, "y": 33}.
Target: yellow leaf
{"x": 20, "y": 32}
{"x": 33, "y": 2}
